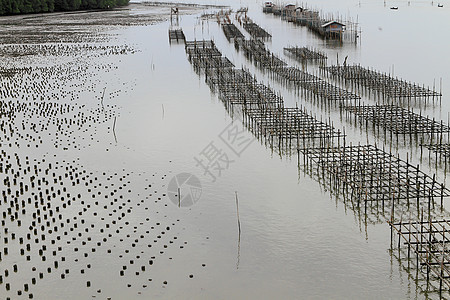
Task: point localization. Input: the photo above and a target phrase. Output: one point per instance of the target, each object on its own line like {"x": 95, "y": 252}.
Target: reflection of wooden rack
{"x": 428, "y": 242}
{"x": 176, "y": 35}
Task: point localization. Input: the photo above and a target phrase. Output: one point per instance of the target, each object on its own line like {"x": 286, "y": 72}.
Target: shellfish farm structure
{"x": 175, "y": 150}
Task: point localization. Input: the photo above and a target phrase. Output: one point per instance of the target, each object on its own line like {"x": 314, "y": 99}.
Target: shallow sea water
{"x": 297, "y": 241}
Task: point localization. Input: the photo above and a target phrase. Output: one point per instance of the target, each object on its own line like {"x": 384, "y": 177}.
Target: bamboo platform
{"x": 232, "y": 32}
{"x": 289, "y": 124}
{"x": 398, "y": 120}
{"x": 381, "y": 83}
{"x": 205, "y": 55}
{"x": 371, "y": 174}
{"x": 256, "y": 51}
{"x": 305, "y": 53}
{"x": 211, "y": 62}
{"x": 241, "y": 88}
{"x": 316, "y": 86}
{"x": 176, "y": 35}
{"x": 425, "y": 245}
{"x": 368, "y": 212}
{"x": 256, "y": 31}
{"x": 201, "y": 49}
{"x": 263, "y": 111}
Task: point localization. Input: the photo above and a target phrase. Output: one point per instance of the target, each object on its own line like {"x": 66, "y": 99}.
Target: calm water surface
{"x": 297, "y": 240}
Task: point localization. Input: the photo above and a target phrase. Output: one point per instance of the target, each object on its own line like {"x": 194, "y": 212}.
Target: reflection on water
{"x": 97, "y": 119}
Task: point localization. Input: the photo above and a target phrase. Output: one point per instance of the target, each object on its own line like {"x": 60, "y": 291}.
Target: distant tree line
{"x": 12, "y": 7}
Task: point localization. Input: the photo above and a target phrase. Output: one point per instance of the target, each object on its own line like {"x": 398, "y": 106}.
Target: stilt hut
{"x": 333, "y": 29}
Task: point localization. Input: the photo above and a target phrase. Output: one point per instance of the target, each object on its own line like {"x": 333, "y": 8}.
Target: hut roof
{"x": 332, "y": 22}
